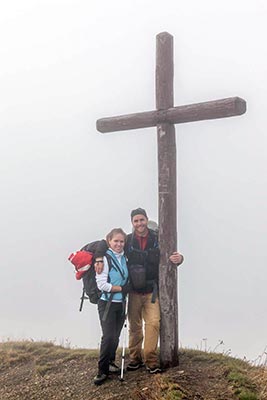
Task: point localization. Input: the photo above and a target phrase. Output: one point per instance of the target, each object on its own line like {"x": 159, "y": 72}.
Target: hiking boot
{"x": 100, "y": 378}
{"x": 154, "y": 370}
{"x": 113, "y": 368}
{"x": 133, "y": 366}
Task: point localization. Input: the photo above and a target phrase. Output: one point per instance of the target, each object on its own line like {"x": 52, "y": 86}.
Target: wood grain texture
{"x": 166, "y": 202}
{"x": 223, "y": 108}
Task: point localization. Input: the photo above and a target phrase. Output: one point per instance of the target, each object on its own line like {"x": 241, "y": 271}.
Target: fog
{"x": 65, "y": 64}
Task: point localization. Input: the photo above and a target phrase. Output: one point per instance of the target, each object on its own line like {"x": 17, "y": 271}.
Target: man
{"x": 143, "y": 254}
{"x": 142, "y": 249}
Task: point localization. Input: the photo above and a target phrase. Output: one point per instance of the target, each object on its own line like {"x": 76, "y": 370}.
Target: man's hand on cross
{"x": 176, "y": 258}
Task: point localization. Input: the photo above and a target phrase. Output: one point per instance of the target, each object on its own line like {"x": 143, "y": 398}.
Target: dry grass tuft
{"x": 259, "y": 376}
{"x": 44, "y": 355}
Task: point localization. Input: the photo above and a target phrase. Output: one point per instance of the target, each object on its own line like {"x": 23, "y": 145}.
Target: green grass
{"x": 236, "y": 371}
{"x": 174, "y": 393}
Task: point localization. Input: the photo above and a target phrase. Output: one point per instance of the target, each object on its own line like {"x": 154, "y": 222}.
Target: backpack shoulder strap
{"x": 154, "y": 237}
{"x": 112, "y": 263}
{"x": 108, "y": 257}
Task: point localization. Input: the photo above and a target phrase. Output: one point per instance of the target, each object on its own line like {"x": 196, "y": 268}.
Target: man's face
{"x": 139, "y": 222}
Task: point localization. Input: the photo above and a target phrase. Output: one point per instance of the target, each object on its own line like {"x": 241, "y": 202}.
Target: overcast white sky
{"x": 64, "y": 64}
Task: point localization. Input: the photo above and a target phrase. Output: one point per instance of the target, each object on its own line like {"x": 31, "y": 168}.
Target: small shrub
{"x": 248, "y": 396}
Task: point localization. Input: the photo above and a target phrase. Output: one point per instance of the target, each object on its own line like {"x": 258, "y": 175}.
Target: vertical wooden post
{"x": 167, "y": 203}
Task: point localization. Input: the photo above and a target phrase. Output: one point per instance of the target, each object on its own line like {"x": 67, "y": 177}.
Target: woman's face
{"x": 117, "y": 243}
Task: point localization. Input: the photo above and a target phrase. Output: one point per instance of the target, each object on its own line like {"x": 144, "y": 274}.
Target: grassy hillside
{"x": 32, "y": 370}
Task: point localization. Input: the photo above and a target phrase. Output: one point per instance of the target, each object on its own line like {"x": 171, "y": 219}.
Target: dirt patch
{"x": 70, "y": 376}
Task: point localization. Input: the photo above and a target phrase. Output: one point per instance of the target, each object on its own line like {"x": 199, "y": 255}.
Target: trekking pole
{"x": 124, "y": 340}
{"x": 82, "y": 300}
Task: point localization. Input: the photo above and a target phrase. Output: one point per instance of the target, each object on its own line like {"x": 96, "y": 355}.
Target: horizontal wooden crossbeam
{"x": 229, "y": 107}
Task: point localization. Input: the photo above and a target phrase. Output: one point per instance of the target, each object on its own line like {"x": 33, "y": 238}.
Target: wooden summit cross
{"x": 164, "y": 117}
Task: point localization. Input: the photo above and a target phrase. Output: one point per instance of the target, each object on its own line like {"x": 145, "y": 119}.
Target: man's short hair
{"x": 138, "y": 211}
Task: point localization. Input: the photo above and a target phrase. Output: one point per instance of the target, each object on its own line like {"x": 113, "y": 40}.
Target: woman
{"x": 111, "y": 281}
